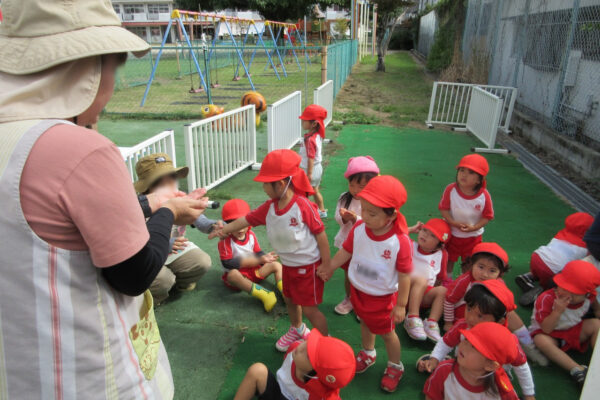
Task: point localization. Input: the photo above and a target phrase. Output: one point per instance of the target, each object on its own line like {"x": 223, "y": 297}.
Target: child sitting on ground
{"x": 477, "y": 372}
{"x": 316, "y": 369}
{"x": 379, "y": 251}
{"x": 313, "y": 121}
{"x": 487, "y": 301}
{"x": 557, "y": 323}
{"x": 547, "y": 261}
{"x": 429, "y": 260}
{"x": 359, "y": 172}
{"x": 488, "y": 261}
{"x": 298, "y": 236}
{"x": 467, "y": 206}
{"x": 246, "y": 265}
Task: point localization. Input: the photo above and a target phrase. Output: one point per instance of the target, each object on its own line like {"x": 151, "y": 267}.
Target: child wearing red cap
{"x": 314, "y": 369}
{"x": 467, "y": 206}
{"x": 313, "y": 121}
{"x": 487, "y": 301}
{"x": 488, "y": 261}
{"x": 359, "y": 172}
{"x": 567, "y": 245}
{"x": 557, "y": 323}
{"x": 429, "y": 260}
{"x": 379, "y": 251}
{"x": 297, "y": 234}
{"x": 477, "y": 372}
{"x": 245, "y": 264}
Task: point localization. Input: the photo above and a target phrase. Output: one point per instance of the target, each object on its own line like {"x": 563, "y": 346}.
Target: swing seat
{"x": 199, "y": 90}
{"x": 236, "y": 78}
{"x": 215, "y": 85}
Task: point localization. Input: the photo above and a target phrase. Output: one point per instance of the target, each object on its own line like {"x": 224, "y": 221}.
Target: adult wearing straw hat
{"x": 76, "y": 254}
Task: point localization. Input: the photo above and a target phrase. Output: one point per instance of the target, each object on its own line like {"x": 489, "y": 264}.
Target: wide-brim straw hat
{"x": 36, "y": 35}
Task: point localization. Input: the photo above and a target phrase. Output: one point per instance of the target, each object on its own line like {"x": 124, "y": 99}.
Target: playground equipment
{"x": 210, "y": 110}
{"x": 180, "y": 17}
{"x": 259, "y": 102}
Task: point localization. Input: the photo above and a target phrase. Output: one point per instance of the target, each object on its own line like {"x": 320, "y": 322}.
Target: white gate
{"x": 323, "y": 96}
{"x": 483, "y": 117}
{"x": 450, "y": 103}
{"x": 284, "y": 128}
{"x": 164, "y": 142}
{"x": 219, "y": 147}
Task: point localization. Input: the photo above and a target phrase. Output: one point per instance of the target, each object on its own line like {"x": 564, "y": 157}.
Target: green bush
{"x": 451, "y": 15}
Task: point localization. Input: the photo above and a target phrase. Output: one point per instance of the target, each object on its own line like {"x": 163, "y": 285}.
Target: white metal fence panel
{"x": 323, "y": 96}
{"x": 164, "y": 142}
{"x": 427, "y": 28}
{"x": 483, "y": 116}
{"x": 450, "y": 101}
{"x": 219, "y": 147}
{"x": 284, "y": 128}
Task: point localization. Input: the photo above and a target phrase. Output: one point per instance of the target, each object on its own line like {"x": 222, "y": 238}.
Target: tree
{"x": 388, "y": 13}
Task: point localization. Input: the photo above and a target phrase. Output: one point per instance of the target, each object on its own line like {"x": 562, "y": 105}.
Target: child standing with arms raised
{"x": 379, "y": 251}
{"x": 313, "y": 119}
{"x": 359, "y": 172}
{"x": 296, "y": 234}
{"x": 467, "y": 206}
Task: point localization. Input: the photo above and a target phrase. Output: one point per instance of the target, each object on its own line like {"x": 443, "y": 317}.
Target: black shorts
{"x": 272, "y": 391}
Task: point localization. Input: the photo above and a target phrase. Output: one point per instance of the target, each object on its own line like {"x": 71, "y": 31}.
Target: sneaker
{"x": 323, "y": 214}
{"x": 525, "y": 282}
{"x": 414, "y": 328}
{"x": 187, "y": 288}
{"x": 391, "y": 378}
{"x": 345, "y": 307}
{"x": 290, "y": 337}
{"x": 432, "y": 330}
{"x": 534, "y": 354}
{"x": 579, "y": 375}
{"x": 528, "y": 298}
{"x": 424, "y": 357}
{"x": 363, "y": 361}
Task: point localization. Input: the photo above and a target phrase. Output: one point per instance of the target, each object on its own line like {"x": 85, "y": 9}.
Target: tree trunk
{"x": 384, "y": 35}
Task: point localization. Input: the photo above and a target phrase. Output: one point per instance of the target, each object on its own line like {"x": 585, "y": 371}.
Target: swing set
{"x": 247, "y": 27}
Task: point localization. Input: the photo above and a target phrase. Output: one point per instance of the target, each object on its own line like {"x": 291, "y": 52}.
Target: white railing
{"x": 323, "y": 96}
{"x": 219, "y": 147}
{"x": 450, "y": 101}
{"x": 164, "y": 142}
{"x": 483, "y": 117}
{"x": 284, "y": 128}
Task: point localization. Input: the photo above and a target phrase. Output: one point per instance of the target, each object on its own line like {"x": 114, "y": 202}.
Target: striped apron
{"x": 64, "y": 332}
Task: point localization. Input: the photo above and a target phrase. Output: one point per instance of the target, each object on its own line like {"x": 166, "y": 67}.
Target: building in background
{"x": 147, "y": 19}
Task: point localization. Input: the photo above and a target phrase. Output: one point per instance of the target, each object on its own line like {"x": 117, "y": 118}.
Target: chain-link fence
{"x": 177, "y": 90}
{"x": 549, "y": 50}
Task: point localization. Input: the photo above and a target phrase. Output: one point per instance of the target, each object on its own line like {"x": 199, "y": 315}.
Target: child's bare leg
{"x": 235, "y": 278}
{"x": 316, "y": 318}
{"x": 367, "y": 337}
{"x": 514, "y": 321}
{"x": 346, "y": 284}
{"x": 435, "y": 298}
{"x": 271, "y": 268}
{"x": 415, "y": 296}
{"x": 294, "y": 312}
{"x": 318, "y": 199}
{"x": 255, "y": 382}
{"x": 392, "y": 346}
{"x": 549, "y": 346}
{"x": 589, "y": 330}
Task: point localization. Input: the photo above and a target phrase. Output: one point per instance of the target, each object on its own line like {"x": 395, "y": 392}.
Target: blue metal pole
{"x": 303, "y": 43}
{"x": 293, "y": 51}
{"x": 266, "y": 51}
{"x": 164, "y": 41}
{"x": 192, "y": 54}
{"x": 274, "y": 44}
{"x": 277, "y": 50}
{"x": 237, "y": 68}
{"x": 239, "y": 55}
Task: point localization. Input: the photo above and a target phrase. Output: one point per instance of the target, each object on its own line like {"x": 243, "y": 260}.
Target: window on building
{"x": 158, "y": 8}
{"x": 117, "y": 8}
{"x": 138, "y": 30}
{"x": 133, "y": 8}
{"x": 546, "y": 39}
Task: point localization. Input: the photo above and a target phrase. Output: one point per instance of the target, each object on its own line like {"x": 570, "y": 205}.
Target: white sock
{"x": 523, "y": 334}
{"x": 398, "y": 366}
{"x": 575, "y": 369}
{"x": 301, "y": 329}
{"x": 371, "y": 353}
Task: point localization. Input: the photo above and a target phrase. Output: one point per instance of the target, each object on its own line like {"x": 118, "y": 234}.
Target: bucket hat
{"x": 152, "y": 167}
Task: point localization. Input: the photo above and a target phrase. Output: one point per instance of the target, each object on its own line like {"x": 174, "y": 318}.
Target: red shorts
{"x": 458, "y": 247}
{"x": 569, "y": 339}
{"x": 540, "y": 270}
{"x": 302, "y": 285}
{"x": 249, "y": 273}
{"x": 345, "y": 266}
{"x": 374, "y": 311}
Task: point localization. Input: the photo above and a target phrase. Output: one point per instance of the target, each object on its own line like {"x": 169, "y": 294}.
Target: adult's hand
{"x": 161, "y": 196}
{"x": 186, "y": 210}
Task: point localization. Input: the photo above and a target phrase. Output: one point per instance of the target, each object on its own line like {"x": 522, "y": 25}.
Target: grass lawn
{"x": 213, "y": 334}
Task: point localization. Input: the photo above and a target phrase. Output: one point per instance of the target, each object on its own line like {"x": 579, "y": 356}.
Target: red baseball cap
{"x": 314, "y": 112}
{"x": 495, "y": 342}
{"x": 333, "y": 361}
{"x": 385, "y": 191}
{"x": 578, "y": 277}
{"x": 234, "y": 209}
{"x": 500, "y": 291}
{"x": 475, "y": 162}
{"x": 491, "y": 248}
{"x": 439, "y": 228}
{"x": 576, "y": 225}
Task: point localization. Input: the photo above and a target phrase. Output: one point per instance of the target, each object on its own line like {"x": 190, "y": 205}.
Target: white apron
{"x": 64, "y": 332}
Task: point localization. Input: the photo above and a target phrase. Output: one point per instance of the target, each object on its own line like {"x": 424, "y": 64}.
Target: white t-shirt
{"x": 310, "y": 147}
{"x": 544, "y": 305}
{"x": 430, "y": 266}
{"x": 345, "y": 228}
{"x": 467, "y": 209}
{"x": 287, "y": 382}
{"x": 558, "y": 253}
